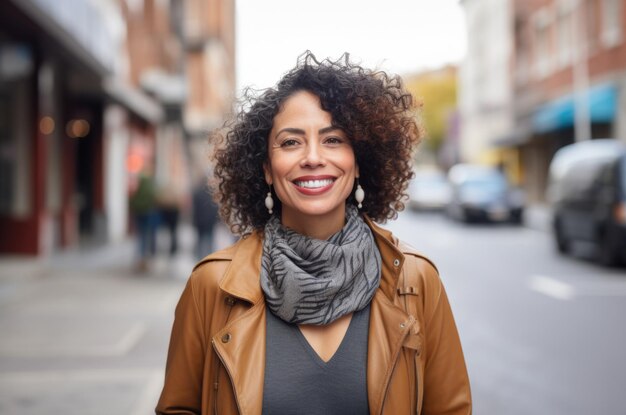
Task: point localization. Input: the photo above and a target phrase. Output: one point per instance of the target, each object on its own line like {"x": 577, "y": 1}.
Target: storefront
{"x": 55, "y": 146}
{"x": 552, "y": 126}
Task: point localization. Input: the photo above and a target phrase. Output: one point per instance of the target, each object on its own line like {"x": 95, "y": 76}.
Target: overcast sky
{"x": 401, "y": 36}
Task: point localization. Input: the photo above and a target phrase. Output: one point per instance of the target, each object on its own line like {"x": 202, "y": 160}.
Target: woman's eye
{"x": 334, "y": 140}
{"x": 289, "y": 142}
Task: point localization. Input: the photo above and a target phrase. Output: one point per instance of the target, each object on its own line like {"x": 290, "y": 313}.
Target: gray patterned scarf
{"x": 310, "y": 281}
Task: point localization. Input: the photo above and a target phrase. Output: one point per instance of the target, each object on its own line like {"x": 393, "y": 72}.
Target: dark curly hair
{"x": 373, "y": 109}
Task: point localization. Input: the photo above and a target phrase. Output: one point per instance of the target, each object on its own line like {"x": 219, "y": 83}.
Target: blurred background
{"x": 519, "y": 194}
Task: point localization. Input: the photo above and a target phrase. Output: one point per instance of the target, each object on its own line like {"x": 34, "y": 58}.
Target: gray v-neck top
{"x": 298, "y": 381}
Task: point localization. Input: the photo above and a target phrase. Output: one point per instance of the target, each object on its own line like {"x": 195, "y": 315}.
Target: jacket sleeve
{"x": 446, "y": 382}
{"x": 182, "y": 390}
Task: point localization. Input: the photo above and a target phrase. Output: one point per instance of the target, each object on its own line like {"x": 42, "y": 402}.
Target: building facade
{"x": 209, "y": 41}
{"x": 569, "y": 79}
{"x": 91, "y": 93}
{"x": 485, "y": 93}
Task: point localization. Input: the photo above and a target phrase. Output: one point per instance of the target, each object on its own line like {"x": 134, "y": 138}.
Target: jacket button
{"x": 230, "y": 301}
{"x": 396, "y": 262}
{"x": 226, "y": 338}
{"x": 402, "y": 325}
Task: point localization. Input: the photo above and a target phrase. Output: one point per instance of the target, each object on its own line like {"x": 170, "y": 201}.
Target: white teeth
{"x": 314, "y": 184}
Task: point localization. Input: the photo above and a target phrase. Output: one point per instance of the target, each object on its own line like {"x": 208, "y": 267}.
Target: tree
{"x": 437, "y": 92}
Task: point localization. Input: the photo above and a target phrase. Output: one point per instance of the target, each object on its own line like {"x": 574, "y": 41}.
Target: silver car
{"x": 481, "y": 193}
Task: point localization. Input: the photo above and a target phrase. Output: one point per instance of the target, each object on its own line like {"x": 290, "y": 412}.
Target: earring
{"x": 359, "y": 194}
{"x": 269, "y": 202}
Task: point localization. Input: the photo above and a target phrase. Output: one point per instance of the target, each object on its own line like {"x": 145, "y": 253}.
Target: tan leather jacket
{"x": 216, "y": 356}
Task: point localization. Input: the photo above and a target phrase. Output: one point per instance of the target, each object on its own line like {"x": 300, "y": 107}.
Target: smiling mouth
{"x": 314, "y": 184}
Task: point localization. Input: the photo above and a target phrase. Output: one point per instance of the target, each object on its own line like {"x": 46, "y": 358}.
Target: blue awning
{"x": 560, "y": 113}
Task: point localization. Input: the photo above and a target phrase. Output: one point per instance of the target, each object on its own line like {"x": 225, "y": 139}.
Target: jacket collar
{"x": 242, "y": 278}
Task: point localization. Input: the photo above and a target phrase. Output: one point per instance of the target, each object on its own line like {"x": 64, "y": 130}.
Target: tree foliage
{"x": 437, "y": 92}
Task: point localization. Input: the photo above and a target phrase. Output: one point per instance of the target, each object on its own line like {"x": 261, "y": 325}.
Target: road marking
{"x": 552, "y": 287}
{"x": 128, "y": 341}
{"x": 560, "y": 290}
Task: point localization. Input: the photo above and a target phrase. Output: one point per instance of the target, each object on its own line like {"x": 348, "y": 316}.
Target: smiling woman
{"x": 311, "y": 167}
{"x": 370, "y": 110}
{"x": 316, "y": 310}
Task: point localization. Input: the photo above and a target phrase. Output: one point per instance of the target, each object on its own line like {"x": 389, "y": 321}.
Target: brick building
{"x": 209, "y": 40}
{"x": 90, "y": 92}
{"x": 569, "y": 79}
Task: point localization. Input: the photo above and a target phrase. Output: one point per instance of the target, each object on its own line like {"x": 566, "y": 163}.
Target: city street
{"x": 82, "y": 334}
{"x": 121, "y": 120}
{"x": 542, "y": 334}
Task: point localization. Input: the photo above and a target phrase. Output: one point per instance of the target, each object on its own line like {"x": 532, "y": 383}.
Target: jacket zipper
{"x": 229, "y": 375}
{"x": 395, "y": 362}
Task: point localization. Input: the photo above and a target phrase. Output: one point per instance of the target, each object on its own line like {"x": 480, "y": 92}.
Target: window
{"x": 542, "y": 33}
{"x": 565, "y": 32}
{"x": 611, "y": 22}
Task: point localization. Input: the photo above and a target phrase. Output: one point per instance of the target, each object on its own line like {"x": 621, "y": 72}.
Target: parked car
{"x": 587, "y": 190}
{"x": 429, "y": 190}
{"x": 483, "y": 193}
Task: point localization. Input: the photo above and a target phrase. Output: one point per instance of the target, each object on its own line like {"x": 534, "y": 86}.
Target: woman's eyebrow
{"x": 302, "y": 132}
{"x": 290, "y": 130}
{"x": 329, "y": 129}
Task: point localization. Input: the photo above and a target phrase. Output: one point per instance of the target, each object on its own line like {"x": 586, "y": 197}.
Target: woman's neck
{"x": 319, "y": 227}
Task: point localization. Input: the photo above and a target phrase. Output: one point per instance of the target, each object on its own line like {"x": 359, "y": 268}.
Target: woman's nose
{"x": 313, "y": 156}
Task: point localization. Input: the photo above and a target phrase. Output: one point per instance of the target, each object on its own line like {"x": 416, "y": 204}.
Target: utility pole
{"x": 580, "y": 72}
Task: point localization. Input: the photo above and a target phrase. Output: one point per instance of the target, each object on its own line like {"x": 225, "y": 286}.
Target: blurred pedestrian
{"x": 316, "y": 310}
{"x": 170, "y": 201}
{"x": 205, "y": 216}
{"x": 144, "y": 211}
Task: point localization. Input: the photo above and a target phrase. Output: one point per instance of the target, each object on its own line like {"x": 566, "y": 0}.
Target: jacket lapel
{"x": 241, "y": 280}
{"x": 241, "y": 348}
{"x": 389, "y": 326}
{"x": 389, "y": 323}
{"x": 240, "y": 345}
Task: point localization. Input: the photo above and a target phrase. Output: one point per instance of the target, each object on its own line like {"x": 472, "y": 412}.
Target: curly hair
{"x": 371, "y": 107}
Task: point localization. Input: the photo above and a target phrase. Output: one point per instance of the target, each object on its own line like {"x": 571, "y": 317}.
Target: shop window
{"x": 16, "y": 67}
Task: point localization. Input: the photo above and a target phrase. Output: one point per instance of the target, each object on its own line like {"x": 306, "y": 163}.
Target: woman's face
{"x": 311, "y": 164}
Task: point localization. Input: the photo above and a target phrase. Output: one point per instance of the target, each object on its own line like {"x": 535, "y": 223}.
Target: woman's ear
{"x": 267, "y": 173}
{"x": 356, "y": 173}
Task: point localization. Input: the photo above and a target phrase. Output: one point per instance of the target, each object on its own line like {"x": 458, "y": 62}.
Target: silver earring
{"x": 269, "y": 202}
{"x": 359, "y": 194}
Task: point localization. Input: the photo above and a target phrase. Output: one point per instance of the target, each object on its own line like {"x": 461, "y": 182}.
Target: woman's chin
{"x": 316, "y": 211}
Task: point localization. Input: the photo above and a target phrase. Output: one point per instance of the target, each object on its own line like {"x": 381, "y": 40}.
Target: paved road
{"x": 542, "y": 334}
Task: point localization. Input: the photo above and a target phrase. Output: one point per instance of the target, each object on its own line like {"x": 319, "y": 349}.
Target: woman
{"x": 316, "y": 310}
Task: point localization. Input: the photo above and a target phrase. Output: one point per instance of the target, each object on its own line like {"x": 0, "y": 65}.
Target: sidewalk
{"x": 83, "y": 334}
